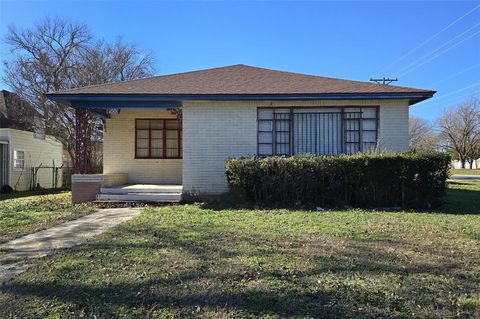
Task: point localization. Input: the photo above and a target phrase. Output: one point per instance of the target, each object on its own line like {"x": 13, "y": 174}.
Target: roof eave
{"x": 169, "y": 100}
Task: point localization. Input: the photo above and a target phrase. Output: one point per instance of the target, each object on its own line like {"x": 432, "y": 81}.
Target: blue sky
{"x": 352, "y": 40}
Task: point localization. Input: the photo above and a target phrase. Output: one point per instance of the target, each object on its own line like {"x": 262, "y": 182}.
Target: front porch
{"x": 142, "y": 158}
{"x": 141, "y": 192}
{"x": 117, "y": 188}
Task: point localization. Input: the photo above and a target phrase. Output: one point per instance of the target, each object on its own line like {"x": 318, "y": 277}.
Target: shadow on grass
{"x": 458, "y": 201}
{"x": 31, "y": 193}
{"x": 280, "y": 291}
{"x": 134, "y": 296}
{"x": 182, "y": 291}
{"x": 461, "y": 200}
{"x": 214, "y": 282}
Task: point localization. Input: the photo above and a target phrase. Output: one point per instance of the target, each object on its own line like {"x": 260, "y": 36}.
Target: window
{"x": 19, "y": 159}
{"x": 158, "y": 138}
{"x": 319, "y": 131}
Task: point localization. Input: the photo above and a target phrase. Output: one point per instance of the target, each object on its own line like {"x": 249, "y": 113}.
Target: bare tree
{"x": 105, "y": 63}
{"x": 422, "y": 135}
{"x": 460, "y": 131}
{"x": 57, "y": 54}
{"x": 43, "y": 59}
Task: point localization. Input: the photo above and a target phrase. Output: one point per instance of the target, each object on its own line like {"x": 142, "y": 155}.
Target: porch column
{"x": 85, "y": 187}
{"x": 81, "y": 122}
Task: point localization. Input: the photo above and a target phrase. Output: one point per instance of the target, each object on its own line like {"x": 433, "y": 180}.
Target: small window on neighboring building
{"x": 19, "y": 159}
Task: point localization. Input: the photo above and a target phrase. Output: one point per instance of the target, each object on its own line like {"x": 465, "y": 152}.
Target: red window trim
{"x": 164, "y": 138}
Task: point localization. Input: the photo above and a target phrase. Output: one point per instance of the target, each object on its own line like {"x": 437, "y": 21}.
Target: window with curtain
{"x": 158, "y": 138}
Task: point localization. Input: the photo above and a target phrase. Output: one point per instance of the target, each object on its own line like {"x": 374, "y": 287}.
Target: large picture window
{"x": 158, "y": 138}
{"x": 318, "y": 131}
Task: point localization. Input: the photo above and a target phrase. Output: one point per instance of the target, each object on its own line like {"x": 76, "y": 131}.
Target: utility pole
{"x": 384, "y": 80}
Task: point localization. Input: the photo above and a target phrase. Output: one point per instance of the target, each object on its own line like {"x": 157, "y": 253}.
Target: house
{"x": 457, "y": 164}
{"x": 178, "y": 129}
{"x": 21, "y": 149}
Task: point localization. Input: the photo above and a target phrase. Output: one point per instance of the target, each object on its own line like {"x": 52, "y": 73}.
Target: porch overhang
{"x": 115, "y": 101}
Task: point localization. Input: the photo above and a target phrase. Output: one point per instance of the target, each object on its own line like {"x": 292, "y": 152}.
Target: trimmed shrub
{"x": 407, "y": 180}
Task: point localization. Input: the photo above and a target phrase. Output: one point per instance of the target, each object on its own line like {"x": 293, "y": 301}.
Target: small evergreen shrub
{"x": 369, "y": 180}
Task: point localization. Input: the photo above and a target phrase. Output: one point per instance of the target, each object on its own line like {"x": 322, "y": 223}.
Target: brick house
{"x": 169, "y": 135}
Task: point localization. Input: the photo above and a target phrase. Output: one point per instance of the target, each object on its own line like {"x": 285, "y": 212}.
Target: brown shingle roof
{"x": 239, "y": 79}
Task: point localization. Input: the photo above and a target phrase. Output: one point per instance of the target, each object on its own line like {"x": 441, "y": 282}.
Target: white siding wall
{"x": 37, "y": 151}
{"x": 119, "y": 150}
{"x": 215, "y": 131}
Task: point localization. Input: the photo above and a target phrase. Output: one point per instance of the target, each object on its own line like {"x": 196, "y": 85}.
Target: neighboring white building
{"x": 20, "y": 151}
{"x": 458, "y": 165}
{"x": 229, "y": 112}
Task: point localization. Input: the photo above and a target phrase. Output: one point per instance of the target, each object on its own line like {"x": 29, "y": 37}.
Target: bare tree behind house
{"x": 57, "y": 54}
{"x": 460, "y": 131}
{"x": 422, "y": 135}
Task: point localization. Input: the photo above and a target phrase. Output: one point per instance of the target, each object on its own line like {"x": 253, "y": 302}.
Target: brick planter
{"x": 85, "y": 187}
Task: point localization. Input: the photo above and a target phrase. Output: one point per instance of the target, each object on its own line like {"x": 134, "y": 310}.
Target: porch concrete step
{"x": 142, "y": 188}
{"x": 144, "y": 196}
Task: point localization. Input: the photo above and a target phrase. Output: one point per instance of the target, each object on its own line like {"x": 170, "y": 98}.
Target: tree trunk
{"x": 81, "y": 141}
{"x": 470, "y": 162}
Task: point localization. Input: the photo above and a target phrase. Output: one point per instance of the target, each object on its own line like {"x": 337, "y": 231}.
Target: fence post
{"x": 53, "y": 173}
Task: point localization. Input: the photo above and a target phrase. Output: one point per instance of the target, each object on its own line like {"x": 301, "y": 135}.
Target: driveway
{"x": 22, "y": 252}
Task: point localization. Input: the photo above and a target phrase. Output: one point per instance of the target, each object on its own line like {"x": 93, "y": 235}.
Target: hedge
{"x": 374, "y": 180}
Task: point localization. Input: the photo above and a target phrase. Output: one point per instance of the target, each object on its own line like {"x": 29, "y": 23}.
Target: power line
{"x": 437, "y": 49}
{"x": 428, "y": 40}
{"x": 439, "y": 54}
{"x": 453, "y": 75}
{"x": 451, "y": 99}
{"x": 436, "y": 98}
{"x": 459, "y": 90}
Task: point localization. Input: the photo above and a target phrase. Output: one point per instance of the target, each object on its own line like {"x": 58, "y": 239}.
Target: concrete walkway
{"x": 22, "y": 252}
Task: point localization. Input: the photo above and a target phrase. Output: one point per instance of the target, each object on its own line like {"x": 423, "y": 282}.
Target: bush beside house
{"x": 407, "y": 180}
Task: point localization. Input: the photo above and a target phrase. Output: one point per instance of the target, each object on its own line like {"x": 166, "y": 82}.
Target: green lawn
{"x": 193, "y": 261}
{"x": 463, "y": 197}
{"x": 23, "y": 213}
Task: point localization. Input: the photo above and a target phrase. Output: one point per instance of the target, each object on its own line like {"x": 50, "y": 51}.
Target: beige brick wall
{"x": 110, "y": 180}
{"x": 393, "y": 130}
{"x": 215, "y": 131}
{"x": 119, "y": 150}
